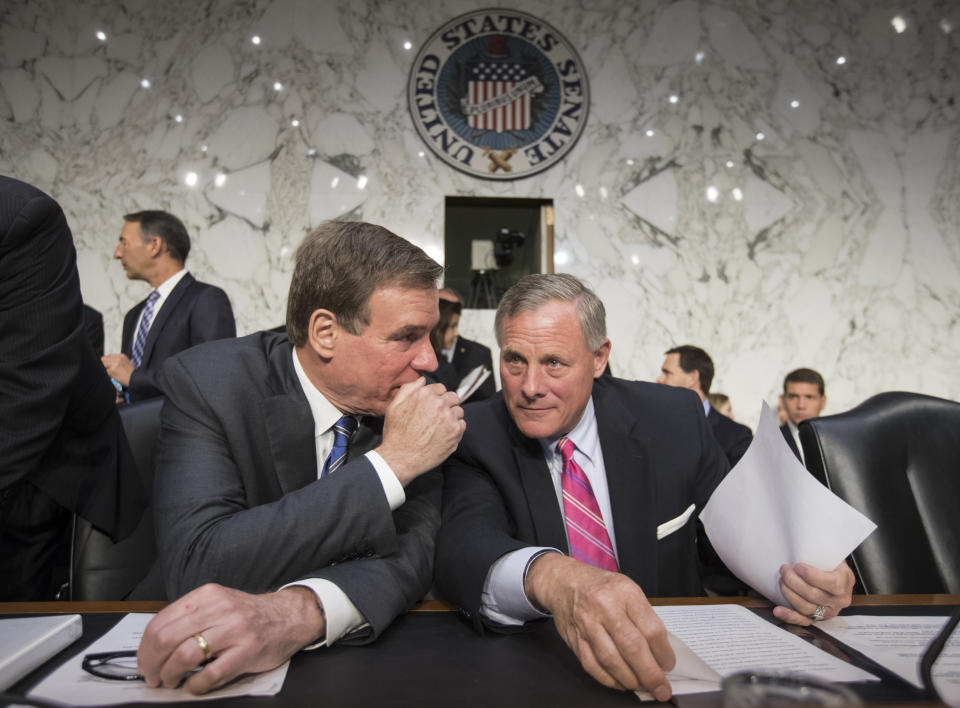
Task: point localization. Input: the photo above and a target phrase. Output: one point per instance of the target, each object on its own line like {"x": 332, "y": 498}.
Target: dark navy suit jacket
{"x": 660, "y": 457}
{"x": 60, "y": 432}
{"x": 194, "y": 312}
{"x": 734, "y": 438}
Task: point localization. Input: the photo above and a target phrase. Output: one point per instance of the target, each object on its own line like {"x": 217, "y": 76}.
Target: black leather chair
{"x": 896, "y": 458}
{"x": 128, "y": 570}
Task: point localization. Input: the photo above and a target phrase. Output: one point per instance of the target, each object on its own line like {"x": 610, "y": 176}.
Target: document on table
{"x": 770, "y": 510}
{"x": 72, "y": 685}
{"x": 716, "y": 641}
{"x": 898, "y": 643}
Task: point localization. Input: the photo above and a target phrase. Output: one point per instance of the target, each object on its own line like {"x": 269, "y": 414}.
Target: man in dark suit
{"x": 466, "y": 355}
{"x": 62, "y": 447}
{"x": 180, "y": 311}
{"x": 264, "y": 480}
{"x": 613, "y": 473}
{"x": 691, "y": 367}
{"x": 93, "y": 326}
{"x": 804, "y": 396}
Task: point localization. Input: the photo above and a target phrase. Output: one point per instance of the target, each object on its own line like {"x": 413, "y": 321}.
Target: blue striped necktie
{"x": 136, "y": 354}
{"x": 343, "y": 430}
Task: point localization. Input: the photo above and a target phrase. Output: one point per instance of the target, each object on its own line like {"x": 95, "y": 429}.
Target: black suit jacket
{"x": 238, "y": 502}
{"x": 785, "y": 430}
{"x": 193, "y": 313}
{"x": 659, "y": 456}
{"x": 733, "y": 438}
{"x": 93, "y": 326}
{"x": 467, "y": 356}
{"x": 59, "y": 427}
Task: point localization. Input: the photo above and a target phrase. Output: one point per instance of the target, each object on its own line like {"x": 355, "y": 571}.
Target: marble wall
{"x": 775, "y": 181}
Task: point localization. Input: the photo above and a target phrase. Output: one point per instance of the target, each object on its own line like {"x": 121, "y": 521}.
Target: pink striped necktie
{"x": 586, "y": 532}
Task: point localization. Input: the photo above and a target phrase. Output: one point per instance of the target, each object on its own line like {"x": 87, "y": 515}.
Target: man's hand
{"x": 422, "y": 426}
{"x": 806, "y": 587}
{"x": 118, "y": 367}
{"x": 607, "y": 621}
{"x": 245, "y": 634}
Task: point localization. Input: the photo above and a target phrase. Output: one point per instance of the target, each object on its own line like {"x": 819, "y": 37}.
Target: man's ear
{"x": 323, "y": 333}
{"x": 600, "y": 358}
{"x": 155, "y": 246}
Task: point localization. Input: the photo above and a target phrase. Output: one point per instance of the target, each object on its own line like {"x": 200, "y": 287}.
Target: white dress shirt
{"x": 164, "y": 290}
{"x": 342, "y": 616}
{"x": 503, "y": 599}
{"x": 795, "y": 434}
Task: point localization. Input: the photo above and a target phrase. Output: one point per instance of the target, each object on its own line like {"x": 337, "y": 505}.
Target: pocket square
{"x": 668, "y": 527}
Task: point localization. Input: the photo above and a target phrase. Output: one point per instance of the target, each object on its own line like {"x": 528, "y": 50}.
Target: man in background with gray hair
{"x": 576, "y": 495}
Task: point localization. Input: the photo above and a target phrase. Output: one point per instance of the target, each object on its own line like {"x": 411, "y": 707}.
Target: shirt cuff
{"x": 342, "y": 616}
{"x": 503, "y": 599}
{"x": 391, "y": 485}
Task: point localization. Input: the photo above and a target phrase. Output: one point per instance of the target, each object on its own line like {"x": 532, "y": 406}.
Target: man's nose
{"x": 426, "y": 358}
{"x": 533, "y": 382}
{"x": 116, "y": 253}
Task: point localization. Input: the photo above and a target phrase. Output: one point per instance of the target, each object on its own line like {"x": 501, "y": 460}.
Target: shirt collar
{"x": 167, "y": 286}
{"x": 706, "y": 406}
{"x": 324, "y": 413}
{"x": 583, "y": 435}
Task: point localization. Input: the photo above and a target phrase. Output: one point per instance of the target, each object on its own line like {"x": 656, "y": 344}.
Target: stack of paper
{"x": 712, "y": 642}
{"x": 27, "y": 642}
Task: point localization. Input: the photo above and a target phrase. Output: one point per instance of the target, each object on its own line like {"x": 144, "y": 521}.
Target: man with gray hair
{"x": 576, "y": 495}
{"x": 306, "y": 464}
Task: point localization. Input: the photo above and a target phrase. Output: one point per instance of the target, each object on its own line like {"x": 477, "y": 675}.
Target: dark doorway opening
{"x": 492, "y": 242}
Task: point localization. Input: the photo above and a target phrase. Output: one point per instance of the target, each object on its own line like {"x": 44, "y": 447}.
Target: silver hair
{"x": 537, "y": 289}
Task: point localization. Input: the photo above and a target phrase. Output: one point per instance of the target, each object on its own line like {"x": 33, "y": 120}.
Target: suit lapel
{"x": 129, "y": 325}
{"x": 539, "y": 491}
{"x": 160, "y": 318}
{"x": 289, "y": 424}
{"x": 633, "y": 489}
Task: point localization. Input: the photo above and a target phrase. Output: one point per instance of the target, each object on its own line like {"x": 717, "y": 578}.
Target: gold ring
{"x": 204, "y": 647}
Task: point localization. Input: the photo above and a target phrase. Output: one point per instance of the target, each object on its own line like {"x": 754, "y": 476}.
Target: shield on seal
{"x": 499, "y": 89}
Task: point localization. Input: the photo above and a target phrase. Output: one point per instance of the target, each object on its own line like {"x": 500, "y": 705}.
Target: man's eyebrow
{"x": 407, "y": 330}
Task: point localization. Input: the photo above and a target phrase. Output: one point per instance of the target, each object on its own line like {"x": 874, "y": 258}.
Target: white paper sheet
{"x": 769, "y": 510}
{"x": 471, "y": 382}
{"x": 72, "y": 685}
{"x": 898, "y": 643}
{"x": 726, "y": 639}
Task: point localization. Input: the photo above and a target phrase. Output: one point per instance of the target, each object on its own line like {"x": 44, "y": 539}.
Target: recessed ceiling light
{"x": 145, "y": 83}
{"x": 255, "y": 39}
{"x": 841, "y": 60}
{"x": 101, "y": 35}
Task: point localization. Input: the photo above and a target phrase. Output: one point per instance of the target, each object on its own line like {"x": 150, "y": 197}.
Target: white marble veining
{"x": 737, "y": 185}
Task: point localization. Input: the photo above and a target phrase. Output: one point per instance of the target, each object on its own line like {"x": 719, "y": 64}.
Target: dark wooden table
{"x": 430, "y": 657}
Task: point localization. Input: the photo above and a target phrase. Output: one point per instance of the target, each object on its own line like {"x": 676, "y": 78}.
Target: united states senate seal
{"x": 498, "y": 94}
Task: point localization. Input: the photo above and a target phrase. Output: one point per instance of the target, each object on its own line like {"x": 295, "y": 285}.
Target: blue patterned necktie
{"x": 343, "y": 430}
{"x": 136, "y": 353}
